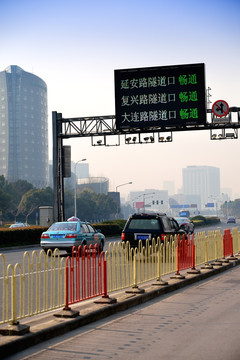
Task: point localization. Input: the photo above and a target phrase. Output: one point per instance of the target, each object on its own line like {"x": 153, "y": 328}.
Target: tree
{"x": 34, "y": 198}
{"x": 95, "y": 207}
{"x": 231, "y": 208}
{"x": 4, "y": 201}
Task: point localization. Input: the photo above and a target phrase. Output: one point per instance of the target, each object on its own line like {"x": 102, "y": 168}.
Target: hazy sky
{"x": 75, "y": 45}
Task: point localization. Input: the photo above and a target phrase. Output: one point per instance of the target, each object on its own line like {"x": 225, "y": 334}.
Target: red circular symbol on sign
{"x": 220, "y": 108}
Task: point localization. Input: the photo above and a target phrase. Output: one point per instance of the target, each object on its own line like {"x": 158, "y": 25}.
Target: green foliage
{"x": 21, "y": 237}
{"x": 32, "y": 235}
{"x": 111, "y": 227}
{"x": 231, "y": 208}
{"x": 10, "y": 197}
{"x": 94, "y": 207}
{"x": 19, "y": 201}
{"x": 201, "y": 220}
{"x": 119, "y": 222}
{"x": 34, "y": 198}
{"x": 5, "y": 200}
{"x": 198, "y": 220}
{"x": 108, "y": 229}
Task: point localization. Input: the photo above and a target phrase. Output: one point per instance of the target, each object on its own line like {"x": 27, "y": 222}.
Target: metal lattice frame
{"x": 65, "y": 128}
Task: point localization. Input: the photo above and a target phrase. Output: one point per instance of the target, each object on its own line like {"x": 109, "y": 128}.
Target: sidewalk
{"x": 52, "y": 324}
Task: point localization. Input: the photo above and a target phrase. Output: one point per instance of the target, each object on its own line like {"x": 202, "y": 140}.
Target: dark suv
{"x": 148, "y": 226}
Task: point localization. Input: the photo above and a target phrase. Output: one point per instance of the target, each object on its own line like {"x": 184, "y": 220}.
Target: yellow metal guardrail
{"x": 32, "y": 288}
{"x": 236, "y": 240}
{"x": 129, "y": 267}
{"x": 38, "y": 285}
{"x": 209, "y": 247}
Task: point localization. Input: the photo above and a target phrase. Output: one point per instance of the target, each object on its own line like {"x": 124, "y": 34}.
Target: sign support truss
{"x": 103, "y": 126}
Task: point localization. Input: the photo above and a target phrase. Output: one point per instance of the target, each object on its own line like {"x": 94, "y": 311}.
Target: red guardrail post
{"x": 178, "y": 257}
{"x": 105, "y": 299}
{"x": 228, "y": 245}
{"x": 193, "y": 249}
{"x": 67, "y": 312}
{"x": 105, "y": 278}
{"x": 67, "y": 285}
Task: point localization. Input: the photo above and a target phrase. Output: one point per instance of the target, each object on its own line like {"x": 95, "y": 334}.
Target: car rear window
{"x": 63, "y": 226}
{"x": 166, "y": 223}
{"x": 144, "y": 224}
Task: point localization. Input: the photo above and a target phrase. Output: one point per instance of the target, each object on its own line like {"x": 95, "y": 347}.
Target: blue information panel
{"x": 160, "y": 96}
{"x": 210, "y": 205}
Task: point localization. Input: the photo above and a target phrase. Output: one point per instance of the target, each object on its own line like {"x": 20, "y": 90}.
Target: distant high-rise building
{"x": 23, "y": 127}
{"x": 203, "y": 181}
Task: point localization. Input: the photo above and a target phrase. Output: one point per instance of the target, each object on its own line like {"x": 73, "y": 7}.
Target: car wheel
{"x": 81, "y": 249}
{"x": 101, "y": 246}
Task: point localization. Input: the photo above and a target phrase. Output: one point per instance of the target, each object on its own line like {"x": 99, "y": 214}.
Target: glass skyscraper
{"x": 23, "y": 127}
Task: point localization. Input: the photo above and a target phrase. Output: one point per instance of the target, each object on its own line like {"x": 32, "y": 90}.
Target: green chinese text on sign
{"x": 161, "y": 96}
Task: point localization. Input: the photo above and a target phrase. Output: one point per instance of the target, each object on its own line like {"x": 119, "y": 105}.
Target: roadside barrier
{"x": 208, "y": 248}
{"x": 236, "y": 240}
{"x": 185, "y": 253}
{"x": 201, "y": 248}
{"x": 44, "y": 282}
{"x": 130, "y": 267}
{"x": 33, "y": 287}
{"x": 85, "y": 275}
{"x": 228, "y": 245}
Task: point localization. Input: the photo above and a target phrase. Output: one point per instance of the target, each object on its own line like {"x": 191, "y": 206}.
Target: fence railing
{"x": 128, "y": 267}
{"x": 85, "y": 276}
{"x": 43, "y": 282}
{"x": 33, "y": 287}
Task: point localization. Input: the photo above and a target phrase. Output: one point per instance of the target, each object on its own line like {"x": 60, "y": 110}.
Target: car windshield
{"x": 63, "y": 226}
{"x": 144, "y": 224}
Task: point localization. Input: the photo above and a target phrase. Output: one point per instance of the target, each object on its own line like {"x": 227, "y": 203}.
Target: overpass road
{"x": 200, "y": 321}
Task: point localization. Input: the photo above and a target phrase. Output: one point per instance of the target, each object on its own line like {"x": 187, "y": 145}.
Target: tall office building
{"x": 23, "y": 127}
{"x": 203, "y": 181}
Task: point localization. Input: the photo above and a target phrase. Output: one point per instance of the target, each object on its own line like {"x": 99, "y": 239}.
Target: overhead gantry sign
{"x": 151, "y": 104}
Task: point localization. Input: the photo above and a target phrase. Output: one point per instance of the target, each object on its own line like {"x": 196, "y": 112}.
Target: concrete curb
{"x": 47, "y": 326}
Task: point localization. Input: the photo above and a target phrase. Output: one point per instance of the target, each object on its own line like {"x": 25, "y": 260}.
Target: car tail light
{"x": 68, "y": 236}
{"x": 163, "y": 236}
{"x": 123, "y": 236}
{"x": 45, "y": 236}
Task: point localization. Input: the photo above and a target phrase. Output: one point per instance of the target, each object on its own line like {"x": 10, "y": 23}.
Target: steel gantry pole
{"x": 58, "y": 183}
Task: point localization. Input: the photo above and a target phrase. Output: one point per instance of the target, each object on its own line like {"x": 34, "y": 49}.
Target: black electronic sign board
{"x": 160, "y": 96}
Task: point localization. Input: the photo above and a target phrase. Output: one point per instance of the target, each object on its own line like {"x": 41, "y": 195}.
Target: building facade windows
{"x": 24, "y": 117}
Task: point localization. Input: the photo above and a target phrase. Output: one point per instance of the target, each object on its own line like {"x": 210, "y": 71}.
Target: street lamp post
{"x": 75, "y": 189}
{"x": 123, "y": 185}
{"x": 128, "y": 183}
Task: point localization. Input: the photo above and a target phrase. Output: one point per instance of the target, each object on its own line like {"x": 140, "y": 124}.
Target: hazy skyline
{"x": 75, "y": 47}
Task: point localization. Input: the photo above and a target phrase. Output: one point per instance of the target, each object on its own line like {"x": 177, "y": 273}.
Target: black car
{"x": 185, "y": 224}
{"x": 149, "y": 226}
